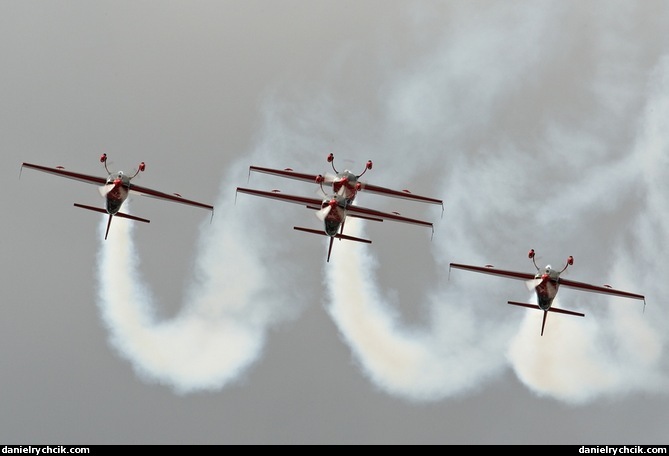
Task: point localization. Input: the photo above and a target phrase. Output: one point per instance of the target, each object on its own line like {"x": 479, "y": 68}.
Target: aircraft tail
{"x": 550, "y": 309}
{"x": 108, "y": 225}
{"x": 338, "y": 235}
{"x": 332, "y": 238}
{"x": 118, "y": 214}
{"x": 329, "y": 249}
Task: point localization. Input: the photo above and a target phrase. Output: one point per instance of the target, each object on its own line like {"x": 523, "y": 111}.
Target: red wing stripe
{"x": 598, "y": 289}
{"x": 399, "y": 194}
{"x": 69, "y": 174}
{"x": 285, "y": 173}
{"x": 101, "y": 181}
{"x": 352, "y": 210}
{"x": 493, "y": 271}
{"x": 282, "y": 197}
{"x": 362, "y": 211}
{"x": 144, "y": 191}
{"x": 366, "y": 187}
{"x": 365, "y": 217}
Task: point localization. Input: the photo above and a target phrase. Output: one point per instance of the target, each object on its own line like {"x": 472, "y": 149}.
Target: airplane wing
{"x": 563, "y": 282}
{"x": 59, "y": 171}
{"x": 315, "y": 203}
{"x": 311, "y": 203}
{"x": 597, "y": 289}
{"x": 495, "y": 271}
{"x": 290, "y": 174}
{"x": 144, "y": 191}
{"x": 101, "y": 181}
{"x": 404, "y": 194}
{"x": 362, "y": 212}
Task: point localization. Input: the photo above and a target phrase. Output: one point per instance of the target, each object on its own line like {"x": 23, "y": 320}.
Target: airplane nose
{"x": 117, "y": 182}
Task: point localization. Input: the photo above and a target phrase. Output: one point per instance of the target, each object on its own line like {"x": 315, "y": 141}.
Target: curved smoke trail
{"x": 222, "y": 329}
{"x": 534, "y": 138}
{"x": 557, "y": 190}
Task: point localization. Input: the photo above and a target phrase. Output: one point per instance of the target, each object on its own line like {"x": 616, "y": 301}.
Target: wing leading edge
{"x": 563, "y": 282}
{"x": 597, "y": 289}
{"x": 404, "y": 194}
{"x": 144, "y": 191}
{"x": 315, "y": 203}
{"x": 494, "y": 271}
{"x": 286, "y": 173}
{"x": 96, "y": 180}
{"x": 101, "y": 181}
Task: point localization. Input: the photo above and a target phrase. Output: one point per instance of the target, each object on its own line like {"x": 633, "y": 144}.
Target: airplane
{"x": 115, "y": 188}
{"x": 333, "y": 209}
{"x": 545, "y": 283}
{"x": 347, "y": 183}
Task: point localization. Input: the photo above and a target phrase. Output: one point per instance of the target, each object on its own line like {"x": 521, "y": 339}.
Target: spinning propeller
{"x": 533, "y": 283}
{"x": 326, "y": 208}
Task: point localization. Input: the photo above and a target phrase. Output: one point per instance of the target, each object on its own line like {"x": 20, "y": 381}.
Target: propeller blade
{"x": 532, "y": 284}
{"x": 105, "y": 189}
{"x": 328, "y": 178}
{"x": 323, "y": 213}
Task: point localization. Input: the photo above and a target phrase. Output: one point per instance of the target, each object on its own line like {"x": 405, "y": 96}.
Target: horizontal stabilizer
{"x": 118, "y": 214}
{"x": 338, "y": 236}
{"x": 550, "y": 309}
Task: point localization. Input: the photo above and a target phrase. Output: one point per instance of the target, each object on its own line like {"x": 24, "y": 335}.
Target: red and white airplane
{"x": 333, "y": 209}
{"x": 115, "y": 188}
{"x": 545, "y": 283}
{"x": 346, "y": 183}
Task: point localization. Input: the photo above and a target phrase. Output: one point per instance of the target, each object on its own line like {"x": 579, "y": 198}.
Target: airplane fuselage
{"x": 548, "y": 287}
{"x": 346, "y": 185}
{"x": 335, "y": 217}
{"x": 116, "y": 188}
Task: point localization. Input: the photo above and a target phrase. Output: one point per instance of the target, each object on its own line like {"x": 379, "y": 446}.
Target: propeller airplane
{"x": 115, "y": 188}
{"x": 346, "y": 183}
{"x": 545, "y": 283}
{"x": 335, "y": 206}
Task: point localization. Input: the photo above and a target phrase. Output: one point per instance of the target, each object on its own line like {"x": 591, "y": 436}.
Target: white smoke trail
{"x": 621, "y": 351}
{"x": 616, "y": 350}
{"x": 220, "y": 331}
{"x": 521, "y": 119}
{"x": 203, "y": 348}
{"x": 417, "y": 363}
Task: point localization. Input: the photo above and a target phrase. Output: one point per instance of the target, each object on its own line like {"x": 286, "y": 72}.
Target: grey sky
{"x": 540, "y": 124}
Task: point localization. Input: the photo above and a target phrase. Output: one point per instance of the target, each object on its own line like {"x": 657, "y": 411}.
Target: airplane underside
{"x": 117, "y": 214}
{"x": 545, "y": 311}
{"x": 345, "y": 237}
